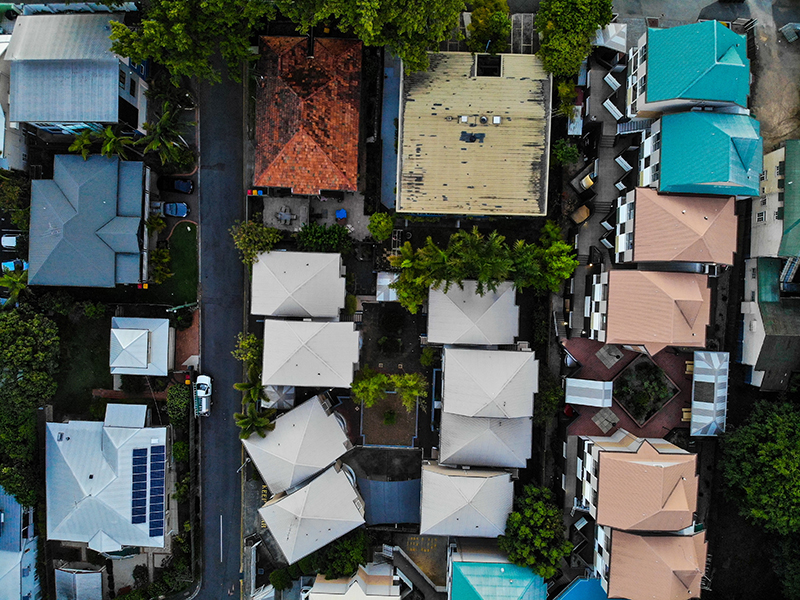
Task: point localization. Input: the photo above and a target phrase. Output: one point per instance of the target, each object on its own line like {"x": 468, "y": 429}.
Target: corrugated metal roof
{"x": 461, "y": 316}
{"x": 11, "y": 529}
{"x": 79, "y": 585}
{"x": 683, "y": 228}
{"x": 709, "y": 393}
{"x": 135, "y": 354}
{"x": 496, "y": 581}
{"x": 710, "y": 153}
{"x": 699, "y": 61}
{"x": 305, "y": 441}
{"x": 584, "y": 589}
{"x": 390, "y": 502}
{"x": 587, "y": 392}
{"x": 485, "y": 441}
{"x": 67, "y": 37}
{"x": 298, "y": 284}
{"x": 309, "y": 354}
{"x": 443, "y": 170}
{"x": 489, "y": 383}
{"x": 790, "y": 242}
{"x": 656, "y": 567}
{"x": 768, "y": 271}
{"x": 125, "y": 415}
{"x": 469, "y": 503}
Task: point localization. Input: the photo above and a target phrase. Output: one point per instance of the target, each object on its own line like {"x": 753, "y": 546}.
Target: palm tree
{"x": 164, "y": 136}
{"x": 252, "y": 389}
{"x": 112, "y": 144}
{"x": 16, "y": 282}
{"x": 83, "y": 143}
{"x": 253, "y": 421}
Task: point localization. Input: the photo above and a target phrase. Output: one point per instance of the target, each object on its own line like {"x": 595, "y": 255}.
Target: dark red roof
{"x": 307, "y": 112}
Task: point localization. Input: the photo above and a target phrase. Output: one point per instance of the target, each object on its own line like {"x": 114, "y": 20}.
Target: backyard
{"x": 642, "y": 389}
{"x": 388, "y": 423}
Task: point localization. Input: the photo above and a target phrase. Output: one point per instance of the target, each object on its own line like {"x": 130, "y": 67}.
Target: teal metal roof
{"x": 790, "y": 242}
{"x": 768, "y": 273}
{"x": 701, "y": 61}
{"x": 496, "y": 581}
{"x": 710, "y": 153}
{"x": 584, "y": 589}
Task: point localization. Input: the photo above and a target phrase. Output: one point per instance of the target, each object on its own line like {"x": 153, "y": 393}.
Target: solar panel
{"x": 139, "y": 452}
{"x": 137, "y": 519}
{"x": 139, "y": 486}
{"x": 158, "y": 456}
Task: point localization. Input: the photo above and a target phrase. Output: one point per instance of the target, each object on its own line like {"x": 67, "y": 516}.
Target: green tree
{"x": 254, "y": 421}
{"x": 567, "y": 94}
{"x": 761, "y": 466}
{"x": 253, "y": 238}
{"x": 564, "y": 152}
{"x": 16, "y": 282}
{"x": 249, "y": 349}
{"x": 412, "y": 283}
{"x": 155, "y": 223}
{"x": 179, "y": 397}
{"x": 342, "y": 557}
{"x": 184, "y": 35}
{"x": 381, "y": 226}
{"x": 280, "y": 579}
{"x": 314, "y": 237}
{"x": 471, "y": 255}
{"x": 410, "y": 28}
{"x": 164, "y": 137}
{"x": 15, "y": 197}
{"x": 112, "y": 144}
{"x": 369, "y": 386}
{"x": 82, "y": 144}
{"x": 490, "y": 26}
{"x": 567, "y": 28}
{"x": 253, "y": 388}
{"x": 159, "y": 264}
{"x": 180, "y": 451}
{"x": 412, "y": 388}
{"x": 549, "y": 399}
{"x": 534, "y": 534}
{"x": 543, "y": 266}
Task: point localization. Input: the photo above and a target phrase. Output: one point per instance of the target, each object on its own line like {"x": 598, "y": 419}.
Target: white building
{"x": 461, "y": 316}
{"x": 141, "y": 346}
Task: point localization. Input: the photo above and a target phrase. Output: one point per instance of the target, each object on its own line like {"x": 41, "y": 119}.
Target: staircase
{"x": 634, "y": 125}
{"x": 607, "y": 141}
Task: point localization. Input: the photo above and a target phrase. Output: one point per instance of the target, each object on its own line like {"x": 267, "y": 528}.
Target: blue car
{"x": 14, "y": 265}
{"x": 180, "y": 186}
{"x": 176, "y": 209}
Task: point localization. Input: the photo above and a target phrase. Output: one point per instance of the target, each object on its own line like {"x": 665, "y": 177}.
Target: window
{"x": 629, "y": 242}
{"x": 761, "y": 217}
{"x": 779, "y": 214}
{"x": 657, "y": 141}
{"x": 781, "y": 183}
{"x": 753, "y": 273}
{"x": 656, "y": 171}
{"x": 753, "y": 296}
{"x": 643, "y": 54}
{"x": 763, "y": 175}
{"x": 643, "y": 84}
{"x": 488, "y": 66}
{"x": 781, "y": 168}
{"x": 133, "y": 87}
{"x": 763, "y": 200}
{"x": 122, "y": 79}
{"x": 780, "y": 197}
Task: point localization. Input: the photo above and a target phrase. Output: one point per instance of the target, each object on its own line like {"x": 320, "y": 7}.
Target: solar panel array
{"x": 139, "y": 486}
{"x": 158, "y": 463}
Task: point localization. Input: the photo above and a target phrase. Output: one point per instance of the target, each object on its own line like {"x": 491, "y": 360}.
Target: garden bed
{"x": 642, "y": 389}
{"x": 388, "y": 423}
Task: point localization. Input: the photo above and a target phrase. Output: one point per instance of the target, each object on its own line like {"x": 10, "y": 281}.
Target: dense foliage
{"x": 313, "y": 237}
{"x": 252, "y": 238}
{"x": 381, "y": 226}
{"x": 179, "y": 399}
{"x": 762, "y": 466}
{"x": 549, "y": 399}
{"x": 15, "y": 197}
{"x": 534, "y": 534}
{"x": 567, "y": 28}
{"x": 487, "y": 259}
{"x": 249, "y": 348}
{"x": 412, "y": 389}
{"x": 370, "y": 387}
{"x": 565, "y": 153}
{"x": 30, "y": 353}
{"x": 252, "y": 420}
{"x": 490, "y": 26}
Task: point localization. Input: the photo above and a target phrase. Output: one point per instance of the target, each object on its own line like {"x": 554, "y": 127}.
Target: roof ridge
{"x": 508, "y": 381}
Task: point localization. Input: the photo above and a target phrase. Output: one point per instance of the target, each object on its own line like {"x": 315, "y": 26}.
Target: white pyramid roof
{"x": 305, "y": 441}
{"x": 485, "y": 441}
{"x": 463, "y": 317}
{"x": 303, "y": 353}
{"x": 315, "y": 515}
{"x": 466, "y": 503}
{"x": 140, "y": 346}
{"x": 489, "y": 383}
{"x": 129, "y": 348}
{"x": 298, "y": 284}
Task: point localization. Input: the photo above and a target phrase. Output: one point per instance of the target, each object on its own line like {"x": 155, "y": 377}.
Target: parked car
{"x": 203, "y": 387}
{"x": 15, "y": 265}
{"x": 10, "y": 241}
{"x": 179, "y": 186}
{"x": 176, "y": 209}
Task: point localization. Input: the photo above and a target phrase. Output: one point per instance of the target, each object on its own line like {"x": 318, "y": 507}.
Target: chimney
{"x": 310, "y": 48}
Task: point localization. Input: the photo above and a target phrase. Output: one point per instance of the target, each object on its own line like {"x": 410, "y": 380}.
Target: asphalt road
{"x": 221, "y": 282}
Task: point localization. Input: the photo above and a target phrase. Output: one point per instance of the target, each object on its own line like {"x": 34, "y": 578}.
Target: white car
{"x": 203, "y": 387}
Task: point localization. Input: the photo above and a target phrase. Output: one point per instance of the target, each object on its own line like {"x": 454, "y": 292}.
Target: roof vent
{"x": 497, "y": 120}
{"x": 484, "y": 119}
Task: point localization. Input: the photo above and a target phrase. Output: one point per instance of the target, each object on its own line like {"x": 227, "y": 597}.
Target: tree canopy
{"x": 567, "y": 28}
{"x": 490, "y": 26}
{"x": 534, "y": 534}
{"x": 762, "y": 466}
{"x": 252, "y": 238}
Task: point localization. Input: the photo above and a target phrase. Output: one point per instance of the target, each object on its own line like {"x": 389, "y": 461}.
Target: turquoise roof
{"x": 701, "y": 61}
{"x": 769, "y": 273}
{"x": 496, "y": 581}
{"x": 710, "y": 153}
{"x": 584, "y": 589}
{"x": 790, "y": 242}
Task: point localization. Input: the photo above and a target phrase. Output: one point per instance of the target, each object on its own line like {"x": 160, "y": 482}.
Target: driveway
{"x": 221, "y": 289}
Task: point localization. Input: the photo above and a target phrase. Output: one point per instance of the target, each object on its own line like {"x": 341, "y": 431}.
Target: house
{"x": 307, "y": 114}
{"x": 583, "y": 588}
{"x": 702, "y": 153}
{"x": 65, "y": 79}
{"x": 709, "y": 393}
{"x": 465, "y": 502}
{"x": 771, "y": 325}
{"x": 474, "y": 136}
{"x": 373, "y": 581}
{"x": 19, "y": 578}
{"x": 13, "y": 146}
{"x": 311, "y": 354}
{"x": 588, "y": 392}
{"x": 700, "y": 64}
{"x": 305, "y": 440}
{"x": 106, "y": 481}
{"x": 141, "y": 346}
{"x": 649, "y": 310}
{"x": 653, "y": 227}
{"x": 461, "y": 316}
{"x": 86, "y": 223}
{"x": 485, "y": 441}
{"x": 776, "y": 212}
{"x": 478, "y": 570}
{"x": 298, "y": 284}
{"x": 79, "y": 584}
{"x": 313, "y": 516}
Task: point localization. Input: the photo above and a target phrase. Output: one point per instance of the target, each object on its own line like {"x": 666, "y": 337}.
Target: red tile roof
{"x": 307, "y": 113}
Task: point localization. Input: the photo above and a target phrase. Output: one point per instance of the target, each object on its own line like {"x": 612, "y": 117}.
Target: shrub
{"x": 182, "y": 488}
{"x": 565, "y": 153}
{"x": 412, "y": 388}
{"x": 93, "y": 310}
{"x": 280, "y": 579}
{"x": 155, "y": 224}
{"x": 428, "y": 356}
{"x": 179, "y": 397}
{"x": 132, "y": 384}
{"x": 381, "y": 226}
{"x": 369, "y": 386}
{"x": 389, "y": 417}
{"x": 548, "y": 400}
{"x": 249, "y": 349}
{"x": 313, "y": 237}
{"x": 160, "y": 262}
{"x": 294, "y": 571}
{"x": 252, "y": 238}
{"x": 350, "y": 304}
{"x": 56, "y": 303}
{"x": 342, "y": 557}
{"x": 180, "y": 451}
{"x": 567, "y": 94}
{"x": 141, "y": 576}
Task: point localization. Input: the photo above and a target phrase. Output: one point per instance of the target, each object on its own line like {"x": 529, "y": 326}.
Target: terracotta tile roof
{"x": 647, "y": 567}
{"x": 683, "y": 228}
{"x": 646, "y": 490}
{"x": 657, "y": 309}
{"x": 307, "y": 115}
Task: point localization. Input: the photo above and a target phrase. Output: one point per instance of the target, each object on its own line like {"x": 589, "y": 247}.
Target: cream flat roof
{"x": 505, "y": 172}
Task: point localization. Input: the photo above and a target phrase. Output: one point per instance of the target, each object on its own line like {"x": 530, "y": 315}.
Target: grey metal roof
{"x": 76, "y": 233}
{"x": 461, "y": 316}
{"x": 390, "y": 501}
{"x": 74, "y": 584}
{"x": 588, "y": 392}
{"x": 11, "y": 528}
{"x": 130, "y": 182}
{"x": 62, "y": 37}
{"x": 485, "y": 441}
{"x": 139, "y": 346}
{"x": 709, "y": 393}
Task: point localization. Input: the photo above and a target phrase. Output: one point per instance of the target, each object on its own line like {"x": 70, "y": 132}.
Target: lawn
{"x": 181, "y": 288}
{"x": 643, "y": 389}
